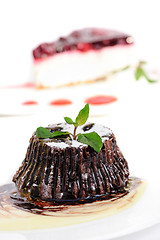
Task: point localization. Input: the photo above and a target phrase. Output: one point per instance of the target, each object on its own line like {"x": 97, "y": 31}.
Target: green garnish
{"x": 82, "y": 115}
{"x": 119, "y": 70}
{"x": 42, "y": 132}
{"x": 69, "y": 120}
{"x": 80, "y": 119}
{"x": 92, "y": 139}
{"x": 140, "y": 72}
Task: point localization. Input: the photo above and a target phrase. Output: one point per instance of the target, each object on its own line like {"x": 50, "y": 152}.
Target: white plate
{"x": 136, "y": 126}
{"x": 12, "y": 99}
{"x": 145, "y": 213}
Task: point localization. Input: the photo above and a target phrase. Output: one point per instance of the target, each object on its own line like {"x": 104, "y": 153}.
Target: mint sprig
{"x": 92, "y": 139}
{"x": 80, "y": 119}
{"x": 140, "y": 72}
{"x": 42, "y": 132}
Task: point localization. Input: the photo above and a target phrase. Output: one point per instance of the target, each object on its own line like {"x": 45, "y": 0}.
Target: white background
{"x": 25, "y": 24}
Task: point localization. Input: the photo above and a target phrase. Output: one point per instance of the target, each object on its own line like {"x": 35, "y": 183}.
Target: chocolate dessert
{"x": 64, "y": 170}
{"x": 72, "y": 171}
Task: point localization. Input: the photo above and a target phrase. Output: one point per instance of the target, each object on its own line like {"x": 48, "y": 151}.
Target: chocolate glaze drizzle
{"x": 10, "y": 200}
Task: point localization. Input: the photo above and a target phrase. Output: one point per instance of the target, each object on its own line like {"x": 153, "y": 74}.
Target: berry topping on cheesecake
{"x": 83, "y": 40}
{"x": 83, "y": 56}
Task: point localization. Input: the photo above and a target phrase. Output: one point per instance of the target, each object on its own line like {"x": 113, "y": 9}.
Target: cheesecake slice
{"x": 82, "y": 56}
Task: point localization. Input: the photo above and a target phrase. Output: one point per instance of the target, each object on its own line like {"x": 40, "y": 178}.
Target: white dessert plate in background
{"x": 122, "y": 86}
{"x": 12, "y": 98}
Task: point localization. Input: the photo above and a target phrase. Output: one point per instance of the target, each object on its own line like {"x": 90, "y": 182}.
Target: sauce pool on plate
{"x": 17, "y": 214}
{"x": 100, "y": 99}
{"x": 60, "y": 102}
{"x": 30, "y": 102}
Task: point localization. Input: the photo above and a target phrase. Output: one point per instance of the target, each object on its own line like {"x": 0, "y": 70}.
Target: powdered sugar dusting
{"x": 102, "y": 131}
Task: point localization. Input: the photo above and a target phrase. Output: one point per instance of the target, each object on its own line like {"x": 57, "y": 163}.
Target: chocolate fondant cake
{"x": 64, "y": 170}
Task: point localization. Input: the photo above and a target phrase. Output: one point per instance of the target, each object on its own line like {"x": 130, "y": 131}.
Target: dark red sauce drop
{"x": 30, "y": 103}
{"x": 60, "y": 102}
{"x": 100, "y": 99}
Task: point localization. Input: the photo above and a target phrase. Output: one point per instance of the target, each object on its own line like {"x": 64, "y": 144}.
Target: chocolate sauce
{"x": 88, "y": 127}
{"x": 11, "y": 200}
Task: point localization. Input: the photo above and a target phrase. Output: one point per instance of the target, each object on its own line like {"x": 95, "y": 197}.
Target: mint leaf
{"x": 92, "y": 139}
{"x": 42, "y": 132}
{"x": 58, "y": 133}
{"x": 68, "y": 120}
{"x": 139, "y": 73}
{"x": 82, "y": 115}
{"x": 147, "y": 78}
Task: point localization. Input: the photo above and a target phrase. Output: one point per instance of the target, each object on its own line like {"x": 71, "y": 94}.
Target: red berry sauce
{"x": 83, "y": 40}
{"x": 61, "y": 102}
{"x": 101, "y": 99}
{"x": 25, "y": 85}
{"x": 30, "y": 102}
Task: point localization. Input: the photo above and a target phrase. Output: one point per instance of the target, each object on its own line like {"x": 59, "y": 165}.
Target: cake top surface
{"x": 83, "y": 40}
{"x": 67, "y": 141}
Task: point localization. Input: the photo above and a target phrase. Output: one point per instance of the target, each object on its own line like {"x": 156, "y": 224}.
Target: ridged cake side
{"x": 72, "y": 173}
